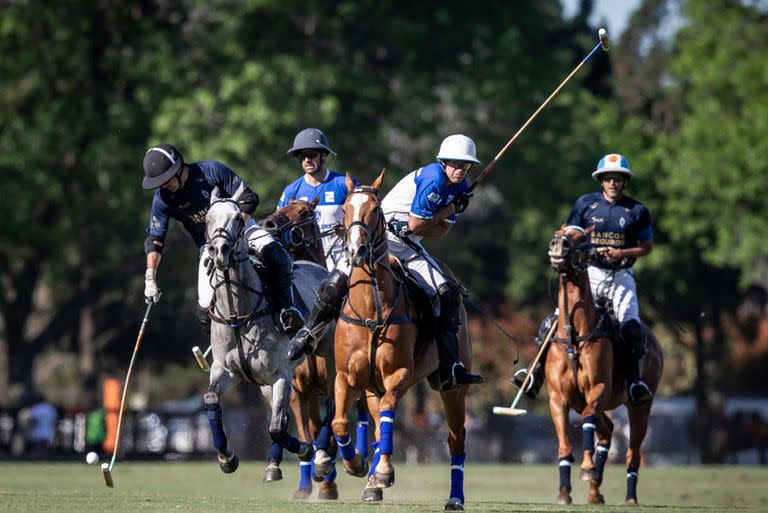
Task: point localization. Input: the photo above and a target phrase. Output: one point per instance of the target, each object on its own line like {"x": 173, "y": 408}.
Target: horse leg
{"x": 395, "y": 384}
{"x": 455, "y": 411}
{"x": 324, "y": 464}
{"x": 220, "y": 381}
{"x": 638, "y": 427}
{"x": 371, "y": 492}
{"x": 604, "y": 433}
{"x": 299, "y": 407}
{"x": 361, "y": 435}
{"x": 559, "y": 411}
{"x": 354, "y": 464}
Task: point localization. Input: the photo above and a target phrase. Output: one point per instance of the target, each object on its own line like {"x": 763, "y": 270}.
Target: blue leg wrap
{"x": 376, "y": 457}
{"x": 386, "y": 429}
{"x": 275, "y": 453}
{"x": 601, "y": 456}
{"x": 565, "y": 472}
{"x": 323, "y": 439}
{"x": 457, "y": 477}
{"x": 292, "y": 444}
{"x": 330, "y": 478}
{"x": 217, "y": 428}
{"x": 346, "y": 448}
{"x": 361, "y": 437}
{"x": 631, "y": 483}
{"x": 305, "y": 479}
{"x": 588, "y": 433}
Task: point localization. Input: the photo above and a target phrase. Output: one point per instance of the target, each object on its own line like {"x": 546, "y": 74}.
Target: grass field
{"x": 200, "y": 487}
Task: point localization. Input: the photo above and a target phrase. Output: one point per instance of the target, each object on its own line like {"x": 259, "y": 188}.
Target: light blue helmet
{"x": 612, "y": 163}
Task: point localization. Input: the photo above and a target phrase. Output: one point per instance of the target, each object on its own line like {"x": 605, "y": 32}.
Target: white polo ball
{"x": 91, "y": 458}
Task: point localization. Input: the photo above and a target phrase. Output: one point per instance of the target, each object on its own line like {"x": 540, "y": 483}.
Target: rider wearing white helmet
{"x": 622, "y": 234}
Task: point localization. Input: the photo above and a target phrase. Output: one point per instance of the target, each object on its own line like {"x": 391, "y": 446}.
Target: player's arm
{"x": 436, "y": 227}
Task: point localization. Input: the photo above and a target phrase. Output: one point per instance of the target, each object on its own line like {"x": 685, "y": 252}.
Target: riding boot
{"x": 634, "y": 338}
{"x": 537, "y": 374}
{"x": 330, "y": 294}
{"x": 452, "y": 372}
{"x": 280, "y": 287}
{"x": 203, "y": 319}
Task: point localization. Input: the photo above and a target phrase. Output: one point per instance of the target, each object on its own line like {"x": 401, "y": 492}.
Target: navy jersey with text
{"x": 190, "y": 203}
{"x": 622, "y": 224}
{"x": 421, "y": 193}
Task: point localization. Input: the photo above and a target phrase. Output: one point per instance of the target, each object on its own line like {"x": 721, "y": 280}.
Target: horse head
{"x": 224, "y": 228}
{"x": 570, "y": 249}
{"x": 287, "y": 223}
{"x": 364, "y": 222}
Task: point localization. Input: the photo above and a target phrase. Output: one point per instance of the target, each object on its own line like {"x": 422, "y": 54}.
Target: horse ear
{"x": 238, "y": 192}
{"x": 215, "y": 194}
{"x": 379, "y": 180}
{"x": 314, "y": 202}
{"x": 350, "y": 183}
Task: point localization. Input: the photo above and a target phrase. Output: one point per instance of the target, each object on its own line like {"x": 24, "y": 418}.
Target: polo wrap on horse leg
{"x": 457, "y": 477}
{"x": 386, "y": 431}
{"x": 537, "y": 373}
{"x": 213, "y": 411}
{"x": 452, "y": 371}
{"x": 280, "y": 286}
{"x": 634, "y": 336}
{"x": 329, "y": 295}
{"x": 588, "y": 433}
{"x": 564, "y": 466}
{"x": 632, "y": 484}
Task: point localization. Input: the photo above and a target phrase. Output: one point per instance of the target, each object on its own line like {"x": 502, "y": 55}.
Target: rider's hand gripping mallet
{"x": 202, "y": 358}
{"x": 502, "y": 410}
{"x": 106, "y": 469}
{"x": 603, "y": 36}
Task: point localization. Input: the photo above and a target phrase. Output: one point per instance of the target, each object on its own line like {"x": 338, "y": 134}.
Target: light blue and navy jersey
{"x": 421, "y": 193}
{"x": 623, "y": 224}
{"x": 330, "y": 193}
{"x": 190, "y": 203}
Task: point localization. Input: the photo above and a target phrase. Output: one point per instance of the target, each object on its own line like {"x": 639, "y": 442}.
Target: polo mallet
{"x": 106, "y": 469}
{"x": 202, "y": 357}
{"x": 501, "y": 410}
{"x": 603, "y": 36}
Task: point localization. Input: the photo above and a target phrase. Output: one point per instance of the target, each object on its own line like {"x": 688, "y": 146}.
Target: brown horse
{"x": 376, "y": 348}
{"x": 583, "y": 372}
{"x": 296, "y": 227}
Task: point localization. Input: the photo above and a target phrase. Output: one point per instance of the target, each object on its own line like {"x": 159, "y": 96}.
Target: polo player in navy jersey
{"x": 183, "y": 192}
{"x": 622, "y": 234}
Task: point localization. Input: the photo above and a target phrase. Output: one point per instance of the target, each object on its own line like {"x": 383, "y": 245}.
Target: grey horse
{"x": 246, "y": 345}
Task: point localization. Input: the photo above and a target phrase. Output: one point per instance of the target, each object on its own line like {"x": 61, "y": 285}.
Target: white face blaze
{"x": 356, "y": 201}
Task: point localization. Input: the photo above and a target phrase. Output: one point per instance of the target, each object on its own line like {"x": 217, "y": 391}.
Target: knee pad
{"x": 634, "y": 336}
{"x": 333, "y": 287}
{"x": 450, "y": 302}
{"x": 211, "y": 398}
{"x": 544, "y": 328}
{"x": 278, "y": 262}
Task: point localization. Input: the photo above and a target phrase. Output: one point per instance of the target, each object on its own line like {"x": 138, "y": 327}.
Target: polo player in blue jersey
{"x": 183, "y": 192}
{"x": 622, "y": 233}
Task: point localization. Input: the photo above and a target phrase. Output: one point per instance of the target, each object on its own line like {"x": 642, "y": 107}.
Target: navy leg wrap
{"x": 275, "y": 453}
{"x": 565, "y": 472}
{"x": 457, "y": 477}
{"x": 601, "y": 456}
{"x": 588, "y": 433}
{"x": 346, "y": 448}
{"x": 361, "y": 437}
{"x": 375, "y": 459}
{"x": 330, "y": 478}
{"x": 323, "y": 438}
{"x": 292, "y": 444}
{"x": 305, "y": 479}
{"x": 217, "y": 428}
{"x": 386, "y": 430}
{"x": 631, "y": 483}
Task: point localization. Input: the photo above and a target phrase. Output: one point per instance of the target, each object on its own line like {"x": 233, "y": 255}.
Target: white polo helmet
{"x": 612, "y": 163}
{"x": 458, "y": 147}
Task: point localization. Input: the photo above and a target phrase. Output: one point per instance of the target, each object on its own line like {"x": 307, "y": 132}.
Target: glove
{"x": 151, "y": 292}
{"x": 400, "y": 228}
{"x": 461, "y": 201}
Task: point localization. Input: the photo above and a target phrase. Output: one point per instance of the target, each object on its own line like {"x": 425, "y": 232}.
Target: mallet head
{"x": 107, "y": 475}
{"x": 603, "y": 38}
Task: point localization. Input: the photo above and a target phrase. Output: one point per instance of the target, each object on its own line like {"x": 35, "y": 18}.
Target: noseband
{"x": 223, "y": 233}
{"x": 576, "y": 257}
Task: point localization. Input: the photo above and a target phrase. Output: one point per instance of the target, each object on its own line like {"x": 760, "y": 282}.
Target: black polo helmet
{"x": 309, "y": 139}
{"x": 161, "y": 163}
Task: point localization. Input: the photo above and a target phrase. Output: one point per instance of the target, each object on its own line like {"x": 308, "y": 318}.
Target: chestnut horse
{"x": 585, "y": 373}
{"x": 295, "y": 226}
{"x": 375, "y": 348}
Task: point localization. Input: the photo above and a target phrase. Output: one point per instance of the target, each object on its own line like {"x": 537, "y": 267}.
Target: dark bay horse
{"x": 376, "y": 348}
{"x": 295, "y": 225}
{"x": 585, "y": 373}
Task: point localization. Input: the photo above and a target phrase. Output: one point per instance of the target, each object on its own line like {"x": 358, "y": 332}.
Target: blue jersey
{"x": 421, "y": 193}
{"x": 623, "y": 224}
{"x": 190, "y": 203}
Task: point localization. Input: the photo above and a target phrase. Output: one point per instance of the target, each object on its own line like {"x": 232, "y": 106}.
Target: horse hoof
{"x": 302, "y": 494}
{"x": 229, "y": 463}
{"x": 596, "y": 499}
{"x": 384, "y": 479}
{"x": 564, "y": 499}
{"x": 454, "y": 504}
{"x": 373, "y": 494}
{"x": 272, "y": 473}
{"x": 631, "y": 502}
{"x": 357, "y": 467}
{"x": 305, "y": 452}
{"x": 588, "y": 474}
{"x": 328, "y": 491}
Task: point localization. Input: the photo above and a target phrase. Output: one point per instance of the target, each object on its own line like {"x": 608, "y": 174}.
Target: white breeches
{"x": 257, "y": 239}
{"x": 619, "y": 287}
{"x": 422, "y": 267}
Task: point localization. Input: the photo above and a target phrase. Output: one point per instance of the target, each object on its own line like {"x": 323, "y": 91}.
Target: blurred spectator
{"x": 39, "y": 427}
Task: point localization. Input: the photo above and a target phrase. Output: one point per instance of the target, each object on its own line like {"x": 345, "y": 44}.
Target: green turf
{"x": 200, "y": 487}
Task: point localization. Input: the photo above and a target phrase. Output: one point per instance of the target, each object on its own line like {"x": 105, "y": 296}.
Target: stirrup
{"x": 460, "y": 376}
{"x": 639, "y": 393}
{"x": 203, "y": 319}
{"x": 291, "y": 320}
{"x": 532, "y": 388}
